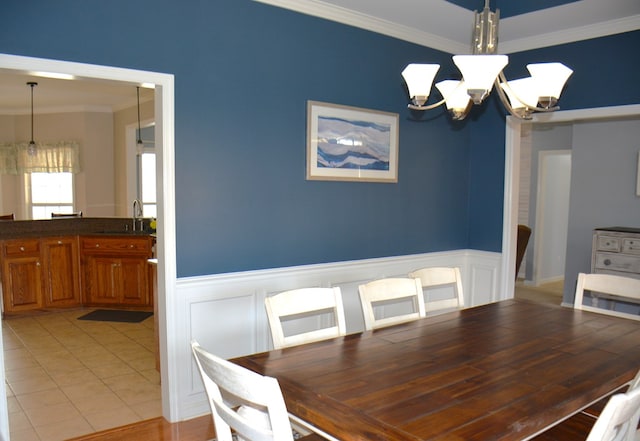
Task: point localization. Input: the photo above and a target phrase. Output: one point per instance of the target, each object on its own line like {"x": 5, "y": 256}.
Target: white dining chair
{"x": 308, "y": 314}
{"x": 241, "y": 400}
{"x": 619, "y": 419}
{"x": 623, "y": 288}
{"x": 595, "y": 426}
{"x": 399, "y": 298}
{"x": 440, "y": 277}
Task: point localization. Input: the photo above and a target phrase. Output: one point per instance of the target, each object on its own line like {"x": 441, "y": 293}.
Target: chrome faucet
{"x": 137, "y": 213}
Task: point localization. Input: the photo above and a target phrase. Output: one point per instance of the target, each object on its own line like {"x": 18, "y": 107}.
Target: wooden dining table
{"x": 502, "y": 371}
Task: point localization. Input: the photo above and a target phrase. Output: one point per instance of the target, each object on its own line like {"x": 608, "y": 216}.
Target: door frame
{"x": 166, "y": 241}
{"x": 513, "y": 128}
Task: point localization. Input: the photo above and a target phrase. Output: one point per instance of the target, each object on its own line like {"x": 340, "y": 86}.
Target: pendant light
{"x": 31, "y": 149}
{"x": 139, "y": 143}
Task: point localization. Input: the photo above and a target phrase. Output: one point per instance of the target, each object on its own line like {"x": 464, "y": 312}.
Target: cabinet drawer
{"x": 608, "y": 243}
{"x": 631, "y": 246}
{"x": 140, "y": 245}
{"x": 617, "y": 262}
{"x": 21, "y": 247}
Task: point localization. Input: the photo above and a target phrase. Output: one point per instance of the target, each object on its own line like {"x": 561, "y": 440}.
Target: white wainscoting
{"x": 225, "y": 312}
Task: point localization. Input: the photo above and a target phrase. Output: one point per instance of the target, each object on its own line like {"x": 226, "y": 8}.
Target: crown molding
{"x": 318, "y": 8}
{"x": 367, "y": 22}
{"x": 570, "y": 35}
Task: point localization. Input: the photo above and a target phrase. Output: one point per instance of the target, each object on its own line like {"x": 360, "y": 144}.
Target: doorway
{"x": 513, "y": 135}
{"x": 164, "y": 111}
{"x": 552, "y": 216}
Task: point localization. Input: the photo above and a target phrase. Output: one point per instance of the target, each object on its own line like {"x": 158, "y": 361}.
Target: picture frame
{"x": 351, "y": 144}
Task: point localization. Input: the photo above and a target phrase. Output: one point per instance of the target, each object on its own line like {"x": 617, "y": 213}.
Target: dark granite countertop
{"x": 71, "y": 226}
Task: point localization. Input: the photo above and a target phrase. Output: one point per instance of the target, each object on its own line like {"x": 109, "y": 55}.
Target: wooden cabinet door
{"x": 115, "y": 270}
{"x": 101, "y": 280}
{"x": 21, "y": 275}
{"x": 62, "y": 280}
{"x": 22, "y": 280}
{"x": 133, "y": 277}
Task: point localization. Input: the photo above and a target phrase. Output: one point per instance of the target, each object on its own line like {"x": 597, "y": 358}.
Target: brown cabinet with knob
{"x": 22, "y": 281}
{"x": 40, "y": 273}
{"x": 115, "y": 270}
{"x": 61, "y": 270}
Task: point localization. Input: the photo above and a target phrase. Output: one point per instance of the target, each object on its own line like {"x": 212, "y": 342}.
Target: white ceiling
{"x": 443, "y": 25}
{"x": 64, "y": 95}
{"x": 434, "y": 23}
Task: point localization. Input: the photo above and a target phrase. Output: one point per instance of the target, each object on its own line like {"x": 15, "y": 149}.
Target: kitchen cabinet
{"x": 22, "y": 279}
{"x": 115, "y": 270}
{"x": 61, "y": 271}
{"x": 40, "y": 273}
{"x": 71, "y": 270}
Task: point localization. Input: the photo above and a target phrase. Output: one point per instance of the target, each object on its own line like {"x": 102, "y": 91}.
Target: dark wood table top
{"x": 503, "y": 371}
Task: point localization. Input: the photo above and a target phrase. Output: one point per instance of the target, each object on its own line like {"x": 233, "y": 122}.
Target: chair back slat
{"x": 305, "y": 302}
{"x": 624, "y": 288}
{"x": 437, "y": 277}
{"x": 387, "y": 292}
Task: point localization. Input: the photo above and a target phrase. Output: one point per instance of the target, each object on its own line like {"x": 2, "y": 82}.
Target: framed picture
{"x": 351, "y": 144}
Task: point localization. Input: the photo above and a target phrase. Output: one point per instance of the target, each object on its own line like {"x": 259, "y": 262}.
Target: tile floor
{"x": 67, "y": 377}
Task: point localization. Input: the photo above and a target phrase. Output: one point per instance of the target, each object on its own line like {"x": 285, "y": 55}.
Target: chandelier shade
{"x": 419, "y": 78}
{"x": 549, "y": 78}
{"x": 522, "y": 95}
{"x": 456, "y": 98}
{"x": 481, "y": 71}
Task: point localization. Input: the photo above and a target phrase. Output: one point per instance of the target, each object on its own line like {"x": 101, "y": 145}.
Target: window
{"x": 145, "y": 172}
{"x": 147, "y": 183}
{"x": 50, "y": 193}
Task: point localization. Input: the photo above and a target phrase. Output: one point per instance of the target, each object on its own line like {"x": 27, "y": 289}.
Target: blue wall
{"x": 244, "y": 72}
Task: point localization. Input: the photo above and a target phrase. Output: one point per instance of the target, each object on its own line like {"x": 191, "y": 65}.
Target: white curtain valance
{"x": 58, "y": 157}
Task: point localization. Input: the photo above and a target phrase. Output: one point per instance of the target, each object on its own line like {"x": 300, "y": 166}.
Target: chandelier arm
{"x": 532, "y": 108}
{"x": 429, "y": 107}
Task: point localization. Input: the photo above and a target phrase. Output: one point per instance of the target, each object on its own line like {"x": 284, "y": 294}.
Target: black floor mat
{"x": 114, "y": 315}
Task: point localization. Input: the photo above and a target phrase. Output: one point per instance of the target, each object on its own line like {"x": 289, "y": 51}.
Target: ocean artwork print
{"x": 353, "y": 144}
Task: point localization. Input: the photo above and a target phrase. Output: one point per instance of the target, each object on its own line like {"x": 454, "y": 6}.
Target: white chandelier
{"x": 538, "y": 93}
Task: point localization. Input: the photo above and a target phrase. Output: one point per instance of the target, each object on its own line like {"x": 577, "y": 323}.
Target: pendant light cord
{"x": 139, "y": 130}
{"x": 32, "y": 84}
